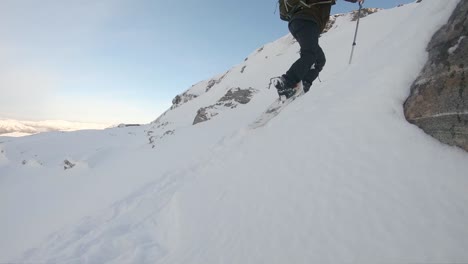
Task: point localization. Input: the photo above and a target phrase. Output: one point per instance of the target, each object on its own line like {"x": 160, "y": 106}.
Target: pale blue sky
{"x": 124, "y": 60}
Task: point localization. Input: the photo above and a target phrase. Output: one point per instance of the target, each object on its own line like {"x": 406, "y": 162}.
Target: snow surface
{"x": 338, "y": 176}
{"x": 454, "y": 48}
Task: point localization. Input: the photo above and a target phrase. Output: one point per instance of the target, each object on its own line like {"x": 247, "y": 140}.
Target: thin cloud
{"x": 45, "y": 53}
{"x": 25, "y": 91}
{"x": 111, "y": 110}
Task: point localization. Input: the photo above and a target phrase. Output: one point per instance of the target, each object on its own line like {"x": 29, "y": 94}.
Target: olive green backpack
{"x": 287, "y": 8}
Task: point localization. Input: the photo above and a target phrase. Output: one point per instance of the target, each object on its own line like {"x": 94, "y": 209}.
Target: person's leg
{"x": 306, "y": 33}
{"x": 313, "y": 73}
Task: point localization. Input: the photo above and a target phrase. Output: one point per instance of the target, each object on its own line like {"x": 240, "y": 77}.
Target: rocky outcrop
{"x": 153, "y": 139}
{"x": 195, "y": 91}
{"x": 204, "y": 114}
{"x": 230, "y": 100}
{"x": 237, "y": 95}
{"x": 213, "y": 82}
{"x": 364, "y": 12}
{"x": 438, "y": 102}
{"x": 68, "y": 165}
{"x": 354, "y": 16}
{"x": 331, "y": 22}
{"x": 182, "y": 99}
{"x": 128, "y": 125}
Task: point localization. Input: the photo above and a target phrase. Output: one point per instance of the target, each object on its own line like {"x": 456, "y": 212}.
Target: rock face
{"x": 68, "y": 165}
{"x": 438, "y": 102}
{"x": 230, "y": 100}
{"x": 195, "y": 91}
{"x": 364, "y": 12}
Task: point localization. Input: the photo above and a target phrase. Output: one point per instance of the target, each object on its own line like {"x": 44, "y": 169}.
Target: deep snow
{"x": 338, "y": 177}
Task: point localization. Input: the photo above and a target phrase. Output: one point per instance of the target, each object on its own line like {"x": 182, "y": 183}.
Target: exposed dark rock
{"x": 210, "y": 85}
{"x": 182, "y": 99}
{"x": 213, "y": 82}
{"x": 230, "y": 100}
{"x": 203, "y": 115}
{"x": 243, "y": 68}
{"x": 163, "y": 124}
{"x": 169, "y": 133}
{"x": 128, "y": 125}
{"x": 239, "y": 95}
{"x": 330, "y": 23}
{"x": 68, "y": 165}
{"x": 438, "y": 102}
{"x": 364, "y": 12}
{"x": 153, "y": 139}
{"x": 190, "y": 95}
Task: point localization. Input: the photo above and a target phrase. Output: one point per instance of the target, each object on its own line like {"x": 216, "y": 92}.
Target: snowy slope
{"x": 339, "y": 176}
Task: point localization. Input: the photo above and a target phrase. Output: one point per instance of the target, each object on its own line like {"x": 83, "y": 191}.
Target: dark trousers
{"x": 307, "y": 33}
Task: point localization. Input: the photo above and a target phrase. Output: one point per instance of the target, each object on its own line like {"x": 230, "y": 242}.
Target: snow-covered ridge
{"x": 338, "y": 177}
{"x": 205, "y": 86}
{"x": 202, "y": 94}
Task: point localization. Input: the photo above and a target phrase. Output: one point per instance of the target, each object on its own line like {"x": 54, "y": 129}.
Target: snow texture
{"x": 338, "y": 176}
{"x": 454, "y": 48}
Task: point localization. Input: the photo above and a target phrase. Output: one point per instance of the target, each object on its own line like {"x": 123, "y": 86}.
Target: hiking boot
{"x": 306, "y": 86}
{"x": 281, "y": 85}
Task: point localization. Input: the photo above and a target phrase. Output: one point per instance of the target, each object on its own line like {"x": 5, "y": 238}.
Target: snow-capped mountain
{"x": 339, "y": 176}
{"x": 10, "y": 127}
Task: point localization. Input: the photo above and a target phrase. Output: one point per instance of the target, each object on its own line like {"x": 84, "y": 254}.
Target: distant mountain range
{"x": 15, "y": 128}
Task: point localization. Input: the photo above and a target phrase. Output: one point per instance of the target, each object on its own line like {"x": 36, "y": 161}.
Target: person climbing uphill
{"x": 307, "y": 20}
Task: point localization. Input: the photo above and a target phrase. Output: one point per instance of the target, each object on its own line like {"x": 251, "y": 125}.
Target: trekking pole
{"x": 355, "y": 33}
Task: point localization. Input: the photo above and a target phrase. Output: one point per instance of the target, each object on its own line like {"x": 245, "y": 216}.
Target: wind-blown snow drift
{"x": 339, "y": 176}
